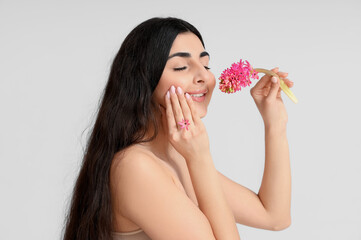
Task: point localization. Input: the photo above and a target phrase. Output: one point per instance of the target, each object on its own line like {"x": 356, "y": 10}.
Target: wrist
{"x": 200, "y": 158}
{"x": 275, "y": 123}
{"x": 276, "y": 129}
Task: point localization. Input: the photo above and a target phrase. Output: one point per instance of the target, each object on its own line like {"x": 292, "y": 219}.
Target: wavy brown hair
{"x": 125, "y": 112}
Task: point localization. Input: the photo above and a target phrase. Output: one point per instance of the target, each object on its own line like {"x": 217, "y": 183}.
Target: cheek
{"x": 163, "y": 86}
{"x": 167, "y": 80}
{"x": 212, "y": 83}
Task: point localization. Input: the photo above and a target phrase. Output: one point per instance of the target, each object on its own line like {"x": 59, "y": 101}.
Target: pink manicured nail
{"x": 179, "y": 90}
{"x": 168, "y": 95}
{"x": 172, "y": 89}
{"x": 188, "y": 96}
{"x": 274, "y": 79}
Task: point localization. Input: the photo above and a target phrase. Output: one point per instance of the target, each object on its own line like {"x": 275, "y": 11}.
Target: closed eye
{"x": 183, "y": 68}
{"x": 180, "y": 69}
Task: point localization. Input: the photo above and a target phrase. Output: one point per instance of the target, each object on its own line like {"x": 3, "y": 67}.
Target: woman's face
{"x": 187, "y": 67}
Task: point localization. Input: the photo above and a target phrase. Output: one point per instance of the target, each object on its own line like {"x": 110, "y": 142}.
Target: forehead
{"x": 186, "y": 42}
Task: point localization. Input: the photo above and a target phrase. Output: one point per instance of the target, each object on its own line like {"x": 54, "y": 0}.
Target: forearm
{"x": 211, "y": 199}
{"x": 275, "y": 190}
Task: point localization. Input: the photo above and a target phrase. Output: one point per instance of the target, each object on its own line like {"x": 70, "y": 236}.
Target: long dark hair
{"x": 125, "y": 113}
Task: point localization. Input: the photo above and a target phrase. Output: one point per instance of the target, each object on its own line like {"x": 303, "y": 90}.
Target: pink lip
{"x": 198, "y": 92}
{"x": 198, "y": 99}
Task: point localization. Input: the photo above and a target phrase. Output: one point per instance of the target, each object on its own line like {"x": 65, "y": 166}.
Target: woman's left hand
{"x": 267, "y": 96}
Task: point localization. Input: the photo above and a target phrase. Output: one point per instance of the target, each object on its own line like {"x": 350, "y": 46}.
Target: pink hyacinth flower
{"x": 184, "y": 124}
{"x": 237, "y": 76}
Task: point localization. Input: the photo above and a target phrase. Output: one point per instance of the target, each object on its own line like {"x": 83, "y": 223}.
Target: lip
{"x": 204, "y": 91}
{"x": 198, "y": 99}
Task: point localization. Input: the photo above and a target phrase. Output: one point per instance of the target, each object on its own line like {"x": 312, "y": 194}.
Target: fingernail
{"x": 274, "y": 79}
{"x": 168, "y": 95}
{"x": 172, "y": 89}
{"x": 179, "y": 90}
{"x": 187, "y": 96}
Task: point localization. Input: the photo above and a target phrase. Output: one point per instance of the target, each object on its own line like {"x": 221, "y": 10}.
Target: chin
{"x": 202, "y": 112}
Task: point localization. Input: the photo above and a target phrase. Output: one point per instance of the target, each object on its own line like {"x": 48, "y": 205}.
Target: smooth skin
{"x": 170, "y": 187}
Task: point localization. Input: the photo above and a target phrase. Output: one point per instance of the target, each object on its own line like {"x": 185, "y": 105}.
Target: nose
{"x": 201, "y": 75}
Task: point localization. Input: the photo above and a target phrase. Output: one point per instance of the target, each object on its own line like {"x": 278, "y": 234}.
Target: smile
{"x": 198, "y": 96}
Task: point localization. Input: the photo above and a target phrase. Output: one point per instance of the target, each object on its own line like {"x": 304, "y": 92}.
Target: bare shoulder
{"x": 132, "y": 157}
{"x": 133, "y": 163}
{"x": 130, "y": 170}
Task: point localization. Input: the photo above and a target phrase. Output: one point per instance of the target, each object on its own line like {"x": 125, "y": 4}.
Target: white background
{"x": 54, "y": 63}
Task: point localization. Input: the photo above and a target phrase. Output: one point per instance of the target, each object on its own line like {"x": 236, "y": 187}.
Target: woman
{"x": 147, "y": 171}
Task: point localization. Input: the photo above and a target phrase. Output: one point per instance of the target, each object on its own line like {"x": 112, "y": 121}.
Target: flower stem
{"x": 283, "y": 85}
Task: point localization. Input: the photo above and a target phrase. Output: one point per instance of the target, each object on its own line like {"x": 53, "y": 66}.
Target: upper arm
{"x": 148, "y": 197}
{"x": 245, "y": 204}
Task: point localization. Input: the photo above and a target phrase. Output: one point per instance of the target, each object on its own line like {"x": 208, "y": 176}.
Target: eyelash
{"x": 183, "y": 68}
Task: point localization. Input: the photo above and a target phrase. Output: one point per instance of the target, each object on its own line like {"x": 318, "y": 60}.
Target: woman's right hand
{"x": 267, "y": 96}
{"x": 191, "y": 141}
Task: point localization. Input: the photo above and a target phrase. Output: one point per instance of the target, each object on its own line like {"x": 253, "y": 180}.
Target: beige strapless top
{"x": 134, "y": 235}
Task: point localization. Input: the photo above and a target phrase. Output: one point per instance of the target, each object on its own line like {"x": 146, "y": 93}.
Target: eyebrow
{"x": 188, "y": 55}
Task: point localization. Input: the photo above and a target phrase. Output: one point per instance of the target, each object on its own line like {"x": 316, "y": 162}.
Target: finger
{"x": 265, "y": 80}
{"x": 275, "y": 70}
{"x": 279, "y": 93}
{"x": 184, "y": 105}
{"x": 177, "y": 111}
{"x": 169, "y": 114}
{"x": 282, "y": 74}
{"x": 266, "y": 91}
{"x": 267, "y": 86}
{"x": 274, "y": 88}
{"x": 288, "y": 82}
{"x": 262, "y": 83}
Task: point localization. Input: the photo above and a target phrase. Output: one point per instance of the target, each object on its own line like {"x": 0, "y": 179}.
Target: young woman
{"x": 147, "y": 172}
